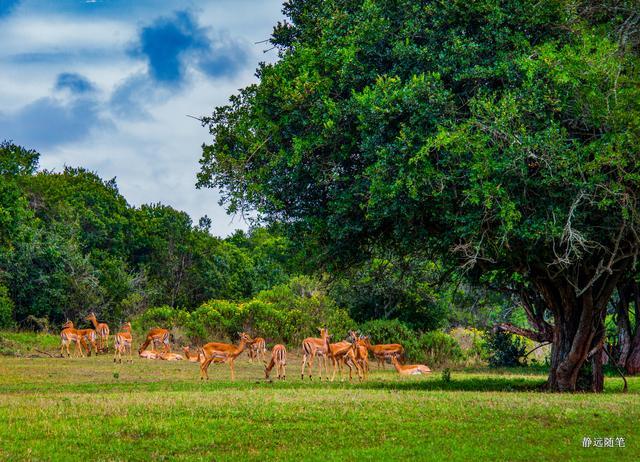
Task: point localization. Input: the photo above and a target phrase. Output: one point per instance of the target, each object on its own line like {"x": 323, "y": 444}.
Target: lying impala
{"x": 382, "y": 352}
{"x": 312, "y": 347}
{"x": 222, "y": 352}
{"x": 169, "y": 356}
{"x": 148, "y": 354}
{"x": 69, "y": 334}
{"x": 157, "y": 335}
{"x": 102, "y": 330}
{"x": 257, "y": 349}
{"x": 194, "y": 358}
{"x": 343, "y": 353}
{"x": 123, "y": 342}
{"x": 279, "y": 360}
{"x": 414, "y": 369}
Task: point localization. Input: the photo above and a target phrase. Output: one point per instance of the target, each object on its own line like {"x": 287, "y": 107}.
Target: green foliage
{"x": 6, "y": 309}
{"x": 446, "y": 375}
{"x": 504, "y": 349}
{"x": 440, "y": 348}
{"x": 393, "y": 331}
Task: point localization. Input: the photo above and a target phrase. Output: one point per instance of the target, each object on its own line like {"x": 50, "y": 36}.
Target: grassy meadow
{"x": 93, "y": 409}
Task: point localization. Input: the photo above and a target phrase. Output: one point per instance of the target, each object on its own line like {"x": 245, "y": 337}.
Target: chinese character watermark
{"x": 598, "y": 442}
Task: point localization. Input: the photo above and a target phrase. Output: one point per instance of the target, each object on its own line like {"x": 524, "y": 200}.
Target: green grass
{"x": 26, "y": 343}
{"x": 75, "y": 409}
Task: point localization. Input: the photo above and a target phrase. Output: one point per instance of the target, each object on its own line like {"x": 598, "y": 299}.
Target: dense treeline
{"x": 70, "y": 243}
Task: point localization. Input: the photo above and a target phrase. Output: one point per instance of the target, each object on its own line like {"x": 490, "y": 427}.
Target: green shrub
{"x": 472, "y": 343}
{"x": 504, "y": 349}
{"x": 6, "y": 309}
{"x": 440, "y": 348}
{"x": 160, "y": 316}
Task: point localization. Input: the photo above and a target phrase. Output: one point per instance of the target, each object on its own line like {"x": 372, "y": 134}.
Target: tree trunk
{"x": 578, "y": 328}
{"x": 633, "y": 360}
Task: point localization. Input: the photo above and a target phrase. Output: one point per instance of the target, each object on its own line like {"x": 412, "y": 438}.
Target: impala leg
{"x": 233, "y": 375}
{"x": 304, "y": 362}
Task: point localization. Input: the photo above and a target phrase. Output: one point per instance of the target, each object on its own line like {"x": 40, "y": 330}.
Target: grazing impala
{"x": 102, "y": 330}
{"x": 123, "y": 342}
{"x": 157, "y": 335}
{"x": 222, "y": 351}
{"x": 69, "y": 334}
{"x": 382, "y": 352}
{"x": 312, "y": 347}
{"x": 279, "y": 360}
{"x": 414, "y": 369}
{"x": 343, "y": 352}
{"x": 257, "y": 349}
{"x": 88, "y": 335}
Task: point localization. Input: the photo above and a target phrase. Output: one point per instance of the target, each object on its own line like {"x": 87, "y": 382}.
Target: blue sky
{"x": 108, "y": 85}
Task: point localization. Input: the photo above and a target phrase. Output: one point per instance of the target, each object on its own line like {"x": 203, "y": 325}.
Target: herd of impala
{"x": 352, "y": 353}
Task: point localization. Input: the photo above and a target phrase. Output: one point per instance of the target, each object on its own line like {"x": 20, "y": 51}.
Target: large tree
{"x": 501, "y": 135}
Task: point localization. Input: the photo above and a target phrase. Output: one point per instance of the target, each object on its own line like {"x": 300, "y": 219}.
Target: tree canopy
{"x": 501, "y": 136}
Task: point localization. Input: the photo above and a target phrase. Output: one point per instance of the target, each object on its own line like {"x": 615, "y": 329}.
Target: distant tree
{"x": 500, "y": 136}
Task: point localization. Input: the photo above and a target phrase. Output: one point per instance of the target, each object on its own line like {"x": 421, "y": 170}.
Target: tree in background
{"x": 500, "y": 136}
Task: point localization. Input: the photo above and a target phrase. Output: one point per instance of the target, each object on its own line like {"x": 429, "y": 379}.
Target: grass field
{"x": 92, "y": 409}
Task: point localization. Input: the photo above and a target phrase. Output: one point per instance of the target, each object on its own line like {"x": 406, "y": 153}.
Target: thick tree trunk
{"x": 633, "y": 360}
{"x": 578, "y": 329}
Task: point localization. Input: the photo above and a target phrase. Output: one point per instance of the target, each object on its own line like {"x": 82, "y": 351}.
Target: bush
{"x": 472, "y": 343}
{"x": 6, "y": 309}
{"x": 160, "y": 316}
{"x": 393, "y": 331}
{"x": 504, "y": 349}
{"x": 440, "y": 348}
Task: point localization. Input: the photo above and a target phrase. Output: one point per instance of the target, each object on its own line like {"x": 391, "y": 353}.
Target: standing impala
{"x": 382, "y": 352}
{"x": 414, "y": 369}
{"x": 222, "y": 351}
{"x": 257, "y": 349}
{"x": 362, "y": 353}
{"x": 123, "y": 342}
{"x": 312, "y": 347}
{"x": 343, "y": 352}
{"x": 69, "y": 334}
{"x": 157, "y": 335}
{"x": 279, "y": 360}
{"x": 102, "y": 330}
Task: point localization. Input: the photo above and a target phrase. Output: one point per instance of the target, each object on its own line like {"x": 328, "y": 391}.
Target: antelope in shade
{"x": 257, "y": 349}
{"x": 279, "y": 360}
{"x": 382, "y": 352}
{"x": 415, "y": 369}
{"x": 222, "y": 351}
{"x": 362, "y": 354}
{"x": 67, "y": 335}
{"x": 343, "y": 352}
{"x": 312, "y": 347}
{"x": 102, "y": 330}
{"x": 148, "y": 354}
{"x": 88, "y": 335}
{"x": 123, "y": 342}
{"x": 156, "y": 335}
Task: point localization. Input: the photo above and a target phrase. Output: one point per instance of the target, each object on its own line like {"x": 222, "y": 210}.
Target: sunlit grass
{"x": 75, "y": 409}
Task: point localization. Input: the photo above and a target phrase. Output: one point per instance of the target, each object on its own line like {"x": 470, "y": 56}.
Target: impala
{"x": 88, "y": 335}
{"x": 170, "y": 356}
{"x": 279, "y": 360}
{"x": 69, "y": 334}
{"x": 148, "y": 354}
{"x": 312, "y": 347}
{"x": 382, "y": 352}
{"x": 362, "y": 353}
{"x": 157, "y": 335}
{"x": 102, "y": 330}
{"x": 343, "y": 352}
{"x": 222, "y": 351}
{"x": 194, "y": 358}
{"x": 123, "y": 342}
{"x": 257, "y": 348}
{"x": 414, "y": 369}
